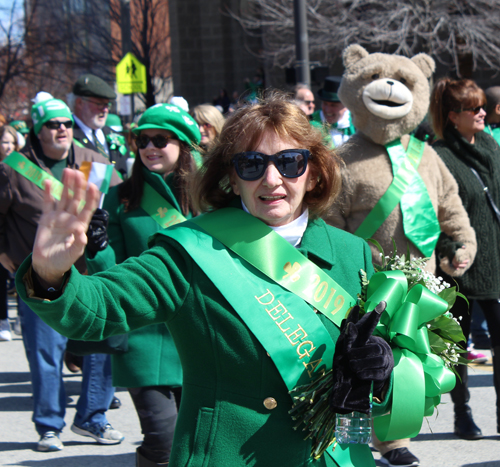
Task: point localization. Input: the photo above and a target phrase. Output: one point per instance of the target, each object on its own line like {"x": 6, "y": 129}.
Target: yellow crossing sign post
{"x": 130, "y": 75}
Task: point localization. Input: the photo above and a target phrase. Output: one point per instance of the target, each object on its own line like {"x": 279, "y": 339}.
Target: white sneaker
{"x": 49, "y": 442}
{"x": 103, "y": 435}
{"x": 5, "y": 330}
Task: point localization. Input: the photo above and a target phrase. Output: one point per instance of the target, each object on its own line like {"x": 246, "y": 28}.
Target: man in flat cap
{"x": 92, "y": 102}
{"x": 334, "y": 117}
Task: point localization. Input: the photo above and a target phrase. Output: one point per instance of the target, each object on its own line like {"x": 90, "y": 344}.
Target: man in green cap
{"x": 334, "y": 118}
{"x": 93, "y": 98}
{"x": 49, "y": 149}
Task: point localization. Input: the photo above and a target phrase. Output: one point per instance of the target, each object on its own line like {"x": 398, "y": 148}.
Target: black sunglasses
{"x": 251, "y": 165}
{"x": 159, "y": 141}
{"x": 474, "y": 110}
{"x": 56, "y": 124}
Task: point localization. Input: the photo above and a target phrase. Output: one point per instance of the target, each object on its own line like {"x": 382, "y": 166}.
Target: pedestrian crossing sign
{"x": 130, "y": 75}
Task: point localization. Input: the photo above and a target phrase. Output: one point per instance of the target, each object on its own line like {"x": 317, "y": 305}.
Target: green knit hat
{"x": 172, "y": 118}
{"x": 43, "y": 111}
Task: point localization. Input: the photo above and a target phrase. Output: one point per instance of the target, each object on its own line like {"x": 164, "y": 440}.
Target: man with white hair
{"x": 92, "y": 101}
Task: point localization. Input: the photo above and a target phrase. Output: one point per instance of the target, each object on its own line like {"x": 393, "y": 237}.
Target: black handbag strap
{"x": 488, "y": 194}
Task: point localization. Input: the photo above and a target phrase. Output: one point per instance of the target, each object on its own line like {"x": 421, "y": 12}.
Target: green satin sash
{"x": 419, "y": 376}
{"x": 420, "y": 222}
{"x": 33, "y": 173}
{"x": 264, "y": 249}
{"x": 288, "y": 329}
{"x": 159, "y": 208}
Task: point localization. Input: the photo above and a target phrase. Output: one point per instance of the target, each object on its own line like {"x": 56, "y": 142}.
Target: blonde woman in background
{"x": 210, "y": 120}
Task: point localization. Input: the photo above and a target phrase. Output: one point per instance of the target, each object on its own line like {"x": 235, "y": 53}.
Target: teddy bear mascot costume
{"x": 395, "y": 186}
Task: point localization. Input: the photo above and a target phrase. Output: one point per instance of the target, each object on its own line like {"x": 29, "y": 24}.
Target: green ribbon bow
{"x": 420, "y": 377}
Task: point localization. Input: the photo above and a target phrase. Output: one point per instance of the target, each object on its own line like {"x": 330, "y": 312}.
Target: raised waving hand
{"x": 61, "y": 236}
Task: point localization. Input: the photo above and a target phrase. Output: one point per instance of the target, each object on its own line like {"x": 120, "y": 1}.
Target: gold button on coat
{"x": 270, "y": 403}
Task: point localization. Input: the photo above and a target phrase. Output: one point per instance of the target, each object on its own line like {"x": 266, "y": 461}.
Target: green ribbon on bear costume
{"x": 420, "y": 377}
{"x": 420, "y": 222}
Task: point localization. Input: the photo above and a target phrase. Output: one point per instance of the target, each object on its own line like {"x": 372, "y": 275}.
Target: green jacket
{"x": 151, "y": 359}
{"x": 227, "y": 373}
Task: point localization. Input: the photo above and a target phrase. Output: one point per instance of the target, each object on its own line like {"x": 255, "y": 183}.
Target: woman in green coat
{"x": 253, "y": 292}
{"x": 154, "y": 197}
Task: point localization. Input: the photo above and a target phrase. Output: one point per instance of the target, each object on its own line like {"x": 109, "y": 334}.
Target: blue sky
{"x": 5, "y": 8}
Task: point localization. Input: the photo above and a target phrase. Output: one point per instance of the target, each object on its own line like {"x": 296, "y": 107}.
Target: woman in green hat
{"x": 252, "y": 292}
{"x": 154, "y": 197}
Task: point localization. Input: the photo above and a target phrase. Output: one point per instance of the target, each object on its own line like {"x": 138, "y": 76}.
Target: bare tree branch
{"x": 446, "y": 29}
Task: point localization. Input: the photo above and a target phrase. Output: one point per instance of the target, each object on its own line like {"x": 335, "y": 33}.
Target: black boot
{"x": 465, "y": 427}
{"x": 495, "y": 353}
{"x": 141, "y": 461}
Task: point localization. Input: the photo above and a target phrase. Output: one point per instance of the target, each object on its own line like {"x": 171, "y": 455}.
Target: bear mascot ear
{"x": 425, "y": 63}
{"x": 354, "y": 53}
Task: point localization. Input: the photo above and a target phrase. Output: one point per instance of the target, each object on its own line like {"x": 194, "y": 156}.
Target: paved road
{"x": 436, "y": 446}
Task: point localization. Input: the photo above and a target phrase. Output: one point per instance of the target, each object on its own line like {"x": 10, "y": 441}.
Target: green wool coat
{"x": 151, "y": 359}
{"x": 482, "y": 280}
{"x": 227, "y": 373}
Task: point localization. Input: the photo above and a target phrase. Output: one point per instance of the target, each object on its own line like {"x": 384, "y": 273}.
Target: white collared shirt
{"x": 293, "y": 231}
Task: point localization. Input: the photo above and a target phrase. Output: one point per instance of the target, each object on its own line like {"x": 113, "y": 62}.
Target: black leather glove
{"x": 359, "y": 360}
{"x": 97, "y": 235}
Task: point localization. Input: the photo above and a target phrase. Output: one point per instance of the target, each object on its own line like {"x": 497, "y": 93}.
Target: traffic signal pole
{"x": 302, "y": 67}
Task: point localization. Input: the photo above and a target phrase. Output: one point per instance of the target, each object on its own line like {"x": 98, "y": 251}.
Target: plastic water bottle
{"x": 354, "y": 428}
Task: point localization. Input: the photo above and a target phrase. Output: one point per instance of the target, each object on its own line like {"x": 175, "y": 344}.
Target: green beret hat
{"x": 20, "y": 126}
{"x": 172, "y": 118}
{"x": 44, "y": 111}
{"x": 89, "y": 85}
